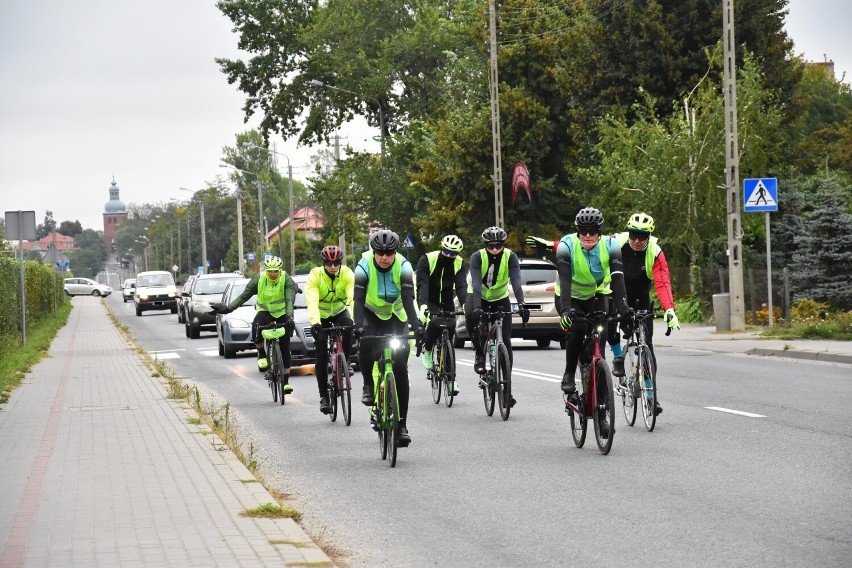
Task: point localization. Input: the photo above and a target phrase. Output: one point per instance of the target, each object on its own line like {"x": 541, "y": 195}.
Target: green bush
{"x": 40, "y": 283}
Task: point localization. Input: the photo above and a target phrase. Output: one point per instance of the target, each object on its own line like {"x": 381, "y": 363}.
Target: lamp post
{"x": 241, "y": 260}
{"x": 318, "y": 83}
{"x": 180, "y": 256}
{"x": 290, "y": 214}
{"x": 203, "y": 230}
{"x": 146, "y": 250}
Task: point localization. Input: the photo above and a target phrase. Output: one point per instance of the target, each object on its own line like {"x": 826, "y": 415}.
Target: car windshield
{"x": 531, "y": 275}
{"x": 238, "y": 289}
{"x": 153, "y": 280}
{"x": 211, "y": 285}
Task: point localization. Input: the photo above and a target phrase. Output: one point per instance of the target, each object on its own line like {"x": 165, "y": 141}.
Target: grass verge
{"x": 16, "y": 361}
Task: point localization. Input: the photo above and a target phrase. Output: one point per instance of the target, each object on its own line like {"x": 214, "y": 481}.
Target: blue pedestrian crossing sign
{"x": 760, "y": 194}
{"x": 408, "y": 243}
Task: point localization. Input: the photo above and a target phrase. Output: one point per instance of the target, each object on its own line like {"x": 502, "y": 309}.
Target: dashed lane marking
{"x": 737, "y": 412}
{"x": 522, "y": 372}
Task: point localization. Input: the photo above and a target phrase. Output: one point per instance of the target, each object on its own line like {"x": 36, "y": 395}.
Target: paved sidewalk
{"x": 99, "y": 468}
{"x": 694, "y": 336}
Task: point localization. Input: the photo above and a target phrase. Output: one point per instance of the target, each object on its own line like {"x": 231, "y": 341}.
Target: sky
{"x": 93, "y": 90}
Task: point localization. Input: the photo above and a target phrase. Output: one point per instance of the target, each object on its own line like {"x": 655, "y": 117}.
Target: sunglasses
{"x": 638, "y": 236}
{"x": 449, "y": 253}
{"x": 494, "y": 246}
{"x": 588, "y": 231}
{"x": 273, "y": 273}
{"x": 384, "y": 253}
{"x": 327, "y": 263}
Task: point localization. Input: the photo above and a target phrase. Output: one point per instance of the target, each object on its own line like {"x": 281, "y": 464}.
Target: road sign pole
{"x": 769, "y": 269}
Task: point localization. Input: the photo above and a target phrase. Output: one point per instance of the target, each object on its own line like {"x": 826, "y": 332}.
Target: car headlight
{"x": 238, "y": 323}
{"x": 143, "y": 297}
{"x": 171, "y": 294}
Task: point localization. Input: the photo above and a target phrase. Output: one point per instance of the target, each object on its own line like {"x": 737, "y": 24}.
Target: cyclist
{"x": 644, "y": 264}
{"x": 492, "y": 268}
{"x": 440, "y": 275}
{"x": 329, "y": 291}
{"x": 591, "y": 268}
{"x": 275, "y": 291}
{"x": 384, "y": 304}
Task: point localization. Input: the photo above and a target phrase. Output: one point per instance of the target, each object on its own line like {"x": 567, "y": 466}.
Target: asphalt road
{"x": 706, "y": 488}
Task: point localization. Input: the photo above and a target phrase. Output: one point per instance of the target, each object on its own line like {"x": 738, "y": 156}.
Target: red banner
{"x": 520, "y": 180}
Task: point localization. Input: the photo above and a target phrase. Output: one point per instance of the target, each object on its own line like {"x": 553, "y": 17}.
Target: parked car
{"x": 127, "y": 289}
{"x": 86, "y": 287}
{"x": 234, "y": 330}
{"x": 182, "y": 296}
{"x": 205, "y": 288}
{"x": 538, "y": 279}
{"x": 155, "y": 290}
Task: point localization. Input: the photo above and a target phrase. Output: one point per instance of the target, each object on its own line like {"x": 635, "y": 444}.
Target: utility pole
{"x": 341, "y": 241}
{"x": 732, "y": 175}
{"x": 495, "y": 117}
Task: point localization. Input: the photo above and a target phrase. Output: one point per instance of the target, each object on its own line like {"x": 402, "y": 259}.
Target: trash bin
{"x": 722, "y": 311}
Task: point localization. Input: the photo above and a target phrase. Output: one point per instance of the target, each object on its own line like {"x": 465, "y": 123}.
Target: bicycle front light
{"x": 395, "y": 343}
{"x": 600, "y": 328}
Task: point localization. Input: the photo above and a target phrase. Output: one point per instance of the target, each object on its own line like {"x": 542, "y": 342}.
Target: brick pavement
{"x": 99, "y": 468}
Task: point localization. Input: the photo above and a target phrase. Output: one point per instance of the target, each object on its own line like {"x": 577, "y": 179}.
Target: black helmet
{"x": 384, "y": 240}
{"x": 493, "y": 235}
{"x": 589, "y": 217}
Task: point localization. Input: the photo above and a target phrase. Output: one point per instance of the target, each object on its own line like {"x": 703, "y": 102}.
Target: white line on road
{"x": 167, "y": 351}
{"x": 159, "y": 355}
{"x": 522, "y": 372}
{"x": 738, "y": 412}
{"x": 209, "y": 352}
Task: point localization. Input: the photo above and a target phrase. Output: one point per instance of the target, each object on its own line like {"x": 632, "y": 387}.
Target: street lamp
{"x": 291, "y": 212}
{"x": 242, "y": 260}
{"x": 203, "y": 231}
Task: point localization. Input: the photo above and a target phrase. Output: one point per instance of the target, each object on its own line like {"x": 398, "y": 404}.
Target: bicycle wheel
{"x": 272, "y": 376}
{"x": 448, "y": 372}
{"x": 381, "y": 417}
{"x": 604, "y": 407}
{"x": 344, "y": 390}
{"x": 485, "y": 382}
{"x": 579, "y": 424}
{"x": 435, "y": 373}
{"x": 391, "y": 419}
{"x": 278, "y": 365}
{"x": 628, "y": 398}
{"x": 648, "y": 383}
{"x": 503, "y": 380}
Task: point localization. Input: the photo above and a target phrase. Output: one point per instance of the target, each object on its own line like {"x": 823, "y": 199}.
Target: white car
{"x": 86, "y": 287}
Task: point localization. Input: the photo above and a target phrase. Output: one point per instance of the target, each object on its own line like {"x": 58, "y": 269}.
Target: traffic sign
{"x": 408, "y": 242}
{"x": 760, "y": 194}
{"x": 250, "y": 256}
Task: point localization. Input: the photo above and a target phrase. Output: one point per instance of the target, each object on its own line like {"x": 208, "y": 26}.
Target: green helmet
{"x": 641, "y": 222}
{"x": 273, "y": 263}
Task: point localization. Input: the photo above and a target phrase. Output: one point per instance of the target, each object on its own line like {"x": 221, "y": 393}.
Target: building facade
{"x": 114, "y": 215}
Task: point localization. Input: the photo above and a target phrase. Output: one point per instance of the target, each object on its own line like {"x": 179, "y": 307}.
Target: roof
{"x": 305, "y": 219}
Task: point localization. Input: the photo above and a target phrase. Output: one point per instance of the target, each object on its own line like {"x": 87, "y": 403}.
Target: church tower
{"x": 114, "y": 215}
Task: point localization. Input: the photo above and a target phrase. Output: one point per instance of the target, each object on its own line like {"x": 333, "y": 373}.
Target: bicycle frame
{"x": 338, "y": 380}
{"x": 334, "y": 341}
{"x": 437, "y": 375}
{"x": 492, "y": 384}
{"x": 271, "y": 334}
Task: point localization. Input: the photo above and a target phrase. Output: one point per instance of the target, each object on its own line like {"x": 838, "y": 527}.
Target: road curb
{"x": 808, "y": 355}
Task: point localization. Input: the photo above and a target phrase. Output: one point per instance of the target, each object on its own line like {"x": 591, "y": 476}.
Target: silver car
{"x": 86, "y": 287}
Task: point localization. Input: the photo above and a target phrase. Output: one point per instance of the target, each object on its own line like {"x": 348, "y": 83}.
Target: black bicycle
{"x": 443, "y": 372}
{"x": 640, "y": 383}
{"x": 496, "y": 381}
{"x": 271, "y": 333}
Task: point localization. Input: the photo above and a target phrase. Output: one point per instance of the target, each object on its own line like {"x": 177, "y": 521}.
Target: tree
{"x": 89, "y": 254}
{"x": 825, "y": 244}
{"x": 49, "y": 225}
{"x": 70, "y": 228}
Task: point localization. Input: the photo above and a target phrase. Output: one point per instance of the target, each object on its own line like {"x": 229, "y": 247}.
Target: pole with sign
{"x": 20, "y": 226}
{"x": 761, "y": 195}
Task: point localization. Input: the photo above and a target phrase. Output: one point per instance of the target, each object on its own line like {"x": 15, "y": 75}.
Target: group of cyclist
{"x": 379, "y": 298}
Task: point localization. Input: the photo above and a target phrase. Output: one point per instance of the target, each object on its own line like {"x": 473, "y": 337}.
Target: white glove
{"x": 423, "y": 313}
{"x": 671, "y": 319}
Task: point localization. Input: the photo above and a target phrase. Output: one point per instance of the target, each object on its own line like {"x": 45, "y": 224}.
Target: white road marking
{"x": 167, "y": 351}
{"x": 160, "y": 355}
{"x": 522, "y": 372}
{"x": 738, "y": 412}
{"x": 209, "y": 352}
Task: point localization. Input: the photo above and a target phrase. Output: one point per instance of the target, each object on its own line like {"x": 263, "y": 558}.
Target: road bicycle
{"x": 339, "y": 381}
{"x": 496, "y": 381}
{"x": 593, "y": 398}
{"x": 640, "y": 383}
{"x": 271, "y": 333}
{"x": 443, "y": 372}
{"x": 384, "y": 414}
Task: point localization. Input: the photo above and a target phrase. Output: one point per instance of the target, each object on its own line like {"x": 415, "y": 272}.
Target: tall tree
{"x": 70, "y": 228}
{"x": 47, "y": 227}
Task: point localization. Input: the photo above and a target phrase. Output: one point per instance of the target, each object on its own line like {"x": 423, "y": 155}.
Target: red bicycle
{"x": 594, "y": 397}
{"x": 339, "y": 382}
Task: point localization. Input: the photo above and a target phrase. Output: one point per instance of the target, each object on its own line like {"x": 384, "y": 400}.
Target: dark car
{"x": 538, "y": 279}
{"x": 234, "y": 330}
{"x": 184, "y": 293}
{"x": 205, "y": 289}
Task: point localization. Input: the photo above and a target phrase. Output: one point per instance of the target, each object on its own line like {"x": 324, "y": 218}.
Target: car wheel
{"x": 221, "y": 349}
{"x": 186, "y": 328}
{"x": 542, "y": 342}
{"x": 229, "y": 352}
{"x": 174, "y": 309}
{"x": 125, "y": 300}
{"x": 138, "y": 310}
{"x": 96, "y": 293}
{"x": 180, "y": 316}
{"x": 194, "y": 332}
